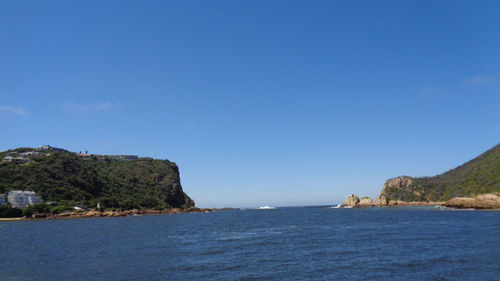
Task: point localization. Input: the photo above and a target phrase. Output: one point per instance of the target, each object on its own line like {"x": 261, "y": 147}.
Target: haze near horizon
{"x": 259, "y": 103}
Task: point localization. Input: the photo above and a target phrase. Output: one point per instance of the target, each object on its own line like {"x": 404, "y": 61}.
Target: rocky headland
{"x": 72, "y": 179}
{"x": 475, "y": 184}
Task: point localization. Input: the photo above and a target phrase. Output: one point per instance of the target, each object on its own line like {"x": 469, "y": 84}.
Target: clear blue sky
{"x": 258, "y": 102}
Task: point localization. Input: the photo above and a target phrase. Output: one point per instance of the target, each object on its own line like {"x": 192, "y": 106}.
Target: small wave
{"x": 334, "y": 207}
{"x": 455, "y": 209}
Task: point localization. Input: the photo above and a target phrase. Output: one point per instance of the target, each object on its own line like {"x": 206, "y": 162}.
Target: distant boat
{"x": 266, "y": 208}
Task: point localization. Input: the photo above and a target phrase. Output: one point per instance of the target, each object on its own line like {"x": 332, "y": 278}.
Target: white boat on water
{"x": 334, "y": 207}
{"x": 266, "y": 208}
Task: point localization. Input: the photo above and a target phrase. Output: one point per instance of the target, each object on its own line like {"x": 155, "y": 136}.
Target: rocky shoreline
{"x": 353, "y": 201}
{"x": 102, "y": 214}
{"x": 482, "y": 201}
{"x": 403, "y": 191}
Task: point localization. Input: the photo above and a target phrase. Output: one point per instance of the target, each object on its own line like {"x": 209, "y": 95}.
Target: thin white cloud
{"x": 478, "y": 80}
{"x": 85, "y": 107}
{"x": 6, "y": 110}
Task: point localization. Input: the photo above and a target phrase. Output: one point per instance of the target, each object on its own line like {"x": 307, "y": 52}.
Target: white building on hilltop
{"x": 49, "y": 148}
{"x": 21, "y": 199}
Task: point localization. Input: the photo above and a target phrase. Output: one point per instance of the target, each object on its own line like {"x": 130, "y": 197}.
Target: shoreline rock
{"x": 353, "y": 201}
{"x": 399, "y": 203}
{"x": 365, "y": 202}
{"x": 482, "y": 201}
{"x": 489, "y": 201}
{"x": 102, "y": 214}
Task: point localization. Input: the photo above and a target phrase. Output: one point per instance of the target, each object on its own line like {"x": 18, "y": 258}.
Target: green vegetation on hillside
{"x": 43, "y": 208}
{"x": 65, "y": 178}
{"x": 478, "y": 176}
{"x": 7, "y": 211}
{"x": 405, "y": 195}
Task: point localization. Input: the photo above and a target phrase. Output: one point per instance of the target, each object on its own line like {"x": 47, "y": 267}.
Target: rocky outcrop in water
{"x": 354, "y": 201}
{"x": 351, "y": 201}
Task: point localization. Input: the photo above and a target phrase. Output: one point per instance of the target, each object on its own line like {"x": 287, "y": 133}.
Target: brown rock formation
{"x": 401, "y": 183}
{"x": 366, "y": 202}
{"x": 351, "y": 201}
{"x": 483, "y": 201}
{"x": 354, "y": 201}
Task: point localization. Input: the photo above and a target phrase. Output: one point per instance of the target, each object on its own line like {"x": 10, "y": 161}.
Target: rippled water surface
{"x": 310, "y": 243}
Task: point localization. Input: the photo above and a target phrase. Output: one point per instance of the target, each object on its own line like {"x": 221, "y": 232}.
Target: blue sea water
{"x": 299, "y": 243}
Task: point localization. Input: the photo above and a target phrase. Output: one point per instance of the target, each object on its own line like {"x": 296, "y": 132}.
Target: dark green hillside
{"x": 478, "y": 176}
{"x": 65, "y": 178}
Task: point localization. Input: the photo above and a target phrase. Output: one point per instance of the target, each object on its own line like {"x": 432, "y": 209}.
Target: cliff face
{"x": 402, "y": 188}
{"x": 478, "y": 176}
{"x": 64, "y": 177}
